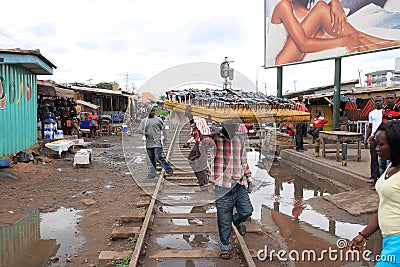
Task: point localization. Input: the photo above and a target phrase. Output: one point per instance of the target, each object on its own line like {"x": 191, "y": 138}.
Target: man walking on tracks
{"x": 152, "y": 128}
{"x": 229, "y": 169}
{"x": 300, "y": 126}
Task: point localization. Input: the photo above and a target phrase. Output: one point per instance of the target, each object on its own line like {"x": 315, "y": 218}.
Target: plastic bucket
{"x": 58, "y": 134}
{"x": 124, "y": 128}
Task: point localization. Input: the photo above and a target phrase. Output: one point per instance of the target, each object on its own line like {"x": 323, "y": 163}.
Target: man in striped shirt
{"x": 229, "y": 169}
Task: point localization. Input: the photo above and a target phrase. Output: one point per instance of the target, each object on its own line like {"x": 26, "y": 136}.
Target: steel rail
{"x": 143, "y": 229}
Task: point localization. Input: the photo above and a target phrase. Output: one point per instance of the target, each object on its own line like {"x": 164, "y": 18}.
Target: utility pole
{"x": 359, "y": 76}
{"x": 126, "y": 83}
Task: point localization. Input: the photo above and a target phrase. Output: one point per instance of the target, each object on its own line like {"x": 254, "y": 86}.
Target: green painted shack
{"x": 18, "y": 97}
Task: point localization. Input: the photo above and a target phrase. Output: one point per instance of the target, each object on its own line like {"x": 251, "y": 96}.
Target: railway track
{"x": 176, "y": 224}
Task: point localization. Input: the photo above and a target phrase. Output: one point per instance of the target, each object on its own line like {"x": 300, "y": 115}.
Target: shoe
{"x": 241, "y": 228}
{"x": 371, "y": 181}
{"x": 300, "y": 150}
{"x": 225, "y": 254}
{"x": 170, "y": 173}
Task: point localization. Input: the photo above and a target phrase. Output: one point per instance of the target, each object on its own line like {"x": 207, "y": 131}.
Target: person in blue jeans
{"x": 152, "y": 127}
{"x": 229, "y": 173}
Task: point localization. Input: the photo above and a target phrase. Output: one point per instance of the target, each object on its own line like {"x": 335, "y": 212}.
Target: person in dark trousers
{"x": 198, "y": 158}
{"x": 229, "y": 173}
{"x": 317, "y": 125}
{"x": 93, "y": 118}
{"x": 300, "y": 126}
{"x": 374, "y": 120}
{"x": 390, "y": 112}
{"x": 151, "y": 127}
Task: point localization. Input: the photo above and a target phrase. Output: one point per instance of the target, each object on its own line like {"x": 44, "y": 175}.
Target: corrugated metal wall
{"x": 19, "y": 116}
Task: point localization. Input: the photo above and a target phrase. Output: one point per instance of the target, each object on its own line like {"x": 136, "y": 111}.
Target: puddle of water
{"x": 188, "y": 241}
{"x": 37, "y": 236}
{"x": 175, "y": 209}
{"x": 279, "y": 199}
{"x": 61, "y": 225}
{"x": 177, "y": 197}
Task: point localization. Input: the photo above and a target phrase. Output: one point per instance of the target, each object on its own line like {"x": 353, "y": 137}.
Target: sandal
{"x": 241, "y": 228}
{"x": 225, "y": 254}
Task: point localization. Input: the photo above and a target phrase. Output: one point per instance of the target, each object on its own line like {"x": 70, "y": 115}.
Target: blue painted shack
{"x": 18, "y": 97}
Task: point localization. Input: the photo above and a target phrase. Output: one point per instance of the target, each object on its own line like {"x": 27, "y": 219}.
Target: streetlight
{"x": 257, "y": 77}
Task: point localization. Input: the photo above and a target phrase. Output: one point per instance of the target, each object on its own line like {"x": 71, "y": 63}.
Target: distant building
{"x": 147, "y": 97}
{"x": 384, "y": 78}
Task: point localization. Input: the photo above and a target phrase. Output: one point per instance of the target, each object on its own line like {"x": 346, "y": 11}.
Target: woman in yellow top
{"x": 388, "y": 188}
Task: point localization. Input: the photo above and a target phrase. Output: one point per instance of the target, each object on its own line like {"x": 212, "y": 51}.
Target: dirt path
{"x": 103, "y": 191}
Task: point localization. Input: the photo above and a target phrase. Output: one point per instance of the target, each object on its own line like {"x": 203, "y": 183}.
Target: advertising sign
{"x": 307, "y": 30}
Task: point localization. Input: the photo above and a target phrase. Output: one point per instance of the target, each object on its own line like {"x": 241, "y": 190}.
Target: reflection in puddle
{"x": 188, "y": 241}
{"x": 280, "y": 200}
{"x": 34, "y": 238}
{"x": 62, "y": 226}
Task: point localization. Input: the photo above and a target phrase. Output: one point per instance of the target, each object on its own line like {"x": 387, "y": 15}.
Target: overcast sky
{"x": 94, "y": 41}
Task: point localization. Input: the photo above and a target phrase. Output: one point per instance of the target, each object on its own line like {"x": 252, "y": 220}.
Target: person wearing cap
{"x": 153, "y": 129}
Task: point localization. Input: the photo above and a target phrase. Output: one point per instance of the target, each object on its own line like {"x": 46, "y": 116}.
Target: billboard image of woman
{"x": 304, "y": 30}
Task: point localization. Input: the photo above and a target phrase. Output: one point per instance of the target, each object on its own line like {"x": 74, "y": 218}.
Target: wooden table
{"x": 57, "y": 147}
{"x": 340, "y": 137}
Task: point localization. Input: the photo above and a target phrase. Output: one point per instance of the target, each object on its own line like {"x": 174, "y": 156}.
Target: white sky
{"x": 133, "y": 40}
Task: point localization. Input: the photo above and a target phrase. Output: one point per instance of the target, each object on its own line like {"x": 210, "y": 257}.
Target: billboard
{"x": 309, "y": 30}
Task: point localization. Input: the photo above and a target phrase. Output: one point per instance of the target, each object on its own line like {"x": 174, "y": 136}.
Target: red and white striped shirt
{"x": 229, "y": 165}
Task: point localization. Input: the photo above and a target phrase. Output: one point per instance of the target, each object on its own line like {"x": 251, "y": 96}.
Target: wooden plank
{"x": 184, "y": 253}
{"x": 188, "y": 202}
{"x": 186, "y": 229}
{"x": 172, "y": 178}
{"x": 198, "y": 229}
{"x": 184, "y": 184}
{"x": 123, "y": 232}
{"x": 141, "y": 203}
{"x": 133, "y": 217}
{"x": 186, "y": 215}
{"x": 107, "y": 257}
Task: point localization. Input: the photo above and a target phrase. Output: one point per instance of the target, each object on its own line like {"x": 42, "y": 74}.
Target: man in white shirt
{"x": 374, "y": 119}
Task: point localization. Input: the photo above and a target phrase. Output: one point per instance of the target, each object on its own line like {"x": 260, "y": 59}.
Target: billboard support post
{"x": 336, "y": 97}
{"x": 279, "y": 82}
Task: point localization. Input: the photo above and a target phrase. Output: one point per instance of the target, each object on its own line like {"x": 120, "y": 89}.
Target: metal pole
{"x": 344, "y": 154}
{"x": 279, "y": 71}
{"x": 336, "y": 98}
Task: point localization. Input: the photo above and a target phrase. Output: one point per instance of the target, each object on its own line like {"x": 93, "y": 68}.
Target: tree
{"x": 107, "y": 85}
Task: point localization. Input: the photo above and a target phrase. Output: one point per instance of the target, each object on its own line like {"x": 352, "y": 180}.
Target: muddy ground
{"x": 103, "y": 190}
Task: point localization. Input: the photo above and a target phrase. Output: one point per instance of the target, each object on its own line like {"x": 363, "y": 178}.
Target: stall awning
{"x": 45, "y": 88}
{"x": 88, "y": 104}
